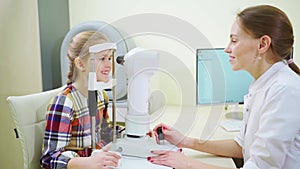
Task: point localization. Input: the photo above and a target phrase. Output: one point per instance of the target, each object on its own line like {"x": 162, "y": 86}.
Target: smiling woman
{"x": 261, "y": 41}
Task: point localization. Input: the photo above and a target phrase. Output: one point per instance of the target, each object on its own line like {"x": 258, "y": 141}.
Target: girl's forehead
{"x": 105, "y": 53}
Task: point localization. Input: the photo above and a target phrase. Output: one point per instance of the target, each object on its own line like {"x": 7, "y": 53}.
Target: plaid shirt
{"x": 67, "y": 133}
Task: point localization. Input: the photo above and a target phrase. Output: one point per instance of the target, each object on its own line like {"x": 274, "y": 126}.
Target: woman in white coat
{"x": 261, "y": 43}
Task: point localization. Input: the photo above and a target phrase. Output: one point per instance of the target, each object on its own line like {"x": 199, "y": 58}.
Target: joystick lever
{"x": 160, "y": 134}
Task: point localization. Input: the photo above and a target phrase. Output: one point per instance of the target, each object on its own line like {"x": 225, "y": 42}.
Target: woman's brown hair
{"x": 268, "y": 20}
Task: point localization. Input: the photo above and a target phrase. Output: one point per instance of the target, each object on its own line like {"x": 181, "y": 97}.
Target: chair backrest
{"x": 29, "y": 114}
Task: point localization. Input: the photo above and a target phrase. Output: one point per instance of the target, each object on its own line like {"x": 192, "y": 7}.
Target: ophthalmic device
{"x": 140, "y": 65}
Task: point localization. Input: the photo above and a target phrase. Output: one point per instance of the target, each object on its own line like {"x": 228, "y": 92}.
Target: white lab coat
{"x": 270, "y": 137}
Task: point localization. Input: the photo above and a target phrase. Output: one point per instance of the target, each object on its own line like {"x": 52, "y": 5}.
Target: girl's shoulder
{"x": 64, "y": 97}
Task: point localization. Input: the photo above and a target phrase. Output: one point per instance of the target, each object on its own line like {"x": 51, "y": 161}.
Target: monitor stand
{"x": 234, "y": 113}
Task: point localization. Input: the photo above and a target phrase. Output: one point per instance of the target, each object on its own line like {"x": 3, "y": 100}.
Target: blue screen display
{"x": 216, "y": 82}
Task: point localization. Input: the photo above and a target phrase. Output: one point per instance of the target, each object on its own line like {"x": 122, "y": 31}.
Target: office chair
{"x": 29, "y": 115}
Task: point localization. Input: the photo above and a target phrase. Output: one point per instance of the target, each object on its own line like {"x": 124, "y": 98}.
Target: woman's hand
{"x": 170, "y": 134}
{"x": 170, "y": 158}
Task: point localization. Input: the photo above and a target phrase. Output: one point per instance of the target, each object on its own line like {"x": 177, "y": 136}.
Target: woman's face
{"x": 103, "y": 65}
{"x": 242, "y": 49}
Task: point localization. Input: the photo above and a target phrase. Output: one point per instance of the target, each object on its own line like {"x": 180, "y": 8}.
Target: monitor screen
{"x": 217, "y": 83}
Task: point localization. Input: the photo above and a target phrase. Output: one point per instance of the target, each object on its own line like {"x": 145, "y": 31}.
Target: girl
{"x": 67, "y": 140}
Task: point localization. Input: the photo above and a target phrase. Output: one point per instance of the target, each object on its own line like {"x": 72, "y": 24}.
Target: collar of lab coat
{"x": 264, "y": 78}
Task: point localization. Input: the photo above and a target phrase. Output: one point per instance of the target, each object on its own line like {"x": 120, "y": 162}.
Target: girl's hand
{"x": 103, "y": 160}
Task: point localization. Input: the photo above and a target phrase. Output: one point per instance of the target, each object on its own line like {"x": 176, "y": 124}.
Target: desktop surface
{"x": 193, "y": 121}
{"x": 198, "y": 127}
{"x": 138, "y": 163}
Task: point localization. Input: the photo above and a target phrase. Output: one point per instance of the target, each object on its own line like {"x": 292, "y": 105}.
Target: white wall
{"x": 20, "y": 69}
{"x": 213, "y": 18}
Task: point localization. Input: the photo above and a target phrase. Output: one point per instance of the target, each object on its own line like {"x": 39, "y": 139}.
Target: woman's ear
{"x": 79, "y": 64}
{"x": 264, "y": 44}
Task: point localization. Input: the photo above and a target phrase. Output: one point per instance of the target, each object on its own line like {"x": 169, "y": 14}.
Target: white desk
{"x": 194, "y": 122}
{"x": 205, "y": 118}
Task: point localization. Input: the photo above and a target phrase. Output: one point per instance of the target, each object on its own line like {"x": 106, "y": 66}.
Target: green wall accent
{"x": 54, "y": 25}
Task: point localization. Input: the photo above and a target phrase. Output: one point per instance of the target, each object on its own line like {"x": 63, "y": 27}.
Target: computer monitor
{"x": 217, "y": 83}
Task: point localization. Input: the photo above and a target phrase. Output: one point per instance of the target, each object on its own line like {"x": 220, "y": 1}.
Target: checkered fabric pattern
{"x": 68, "y": 127}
